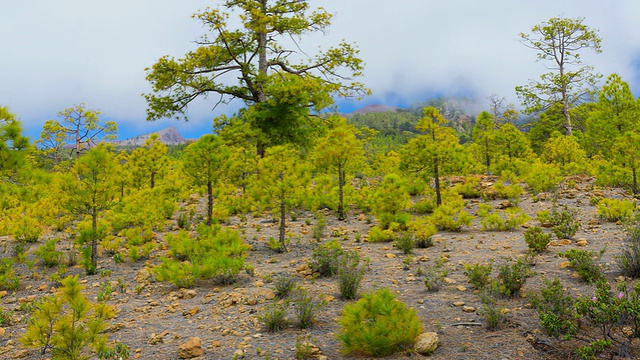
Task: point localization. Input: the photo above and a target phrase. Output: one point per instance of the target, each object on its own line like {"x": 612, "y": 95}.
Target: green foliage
{"x": 583, "y": 262}
{"x": 405, "y": 242}
{"x": 614, "y": 209}
{"x": 478, "y": 274}
{"x": 273, "y": 317}
{"x": 542, "y": 177}
{"x": 565, "y": 223}
{"x": 8, "y": 278}
{"x": 422, "y": 230}
{"x": 511, "y": 278}
{"x": 350, "y": 274}
{"x": 470, "y": 188}
{"x": 48, "y": 254}
{"x": 501, "y": 221}
{"x": 391, "y": 197}
{"x": 26, "y": 229}
{"x": 306, "y": 308}
{"x": 558, "y": 42}
{"x": 376, "y": 234}
{"x": 434, "y": 275}
{"x": 217, "y": 253}
{"x": 451, "y": 216}
{"x": 629, "y": 259}
{"x": 377, "y": 325}
{"x": 493, "y": 315}
{"x": 326, "y": 257}
{"x": 283, "y": 285}
{"x": 69, "y": 324}
{"x": 555, "y": 309}
{"x": 318, "y": 228}
{"x": 536, "y": 239}
{"x": 615, "y": 314}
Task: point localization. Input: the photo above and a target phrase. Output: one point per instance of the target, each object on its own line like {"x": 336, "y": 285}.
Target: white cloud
{"x": 57, "y": 54}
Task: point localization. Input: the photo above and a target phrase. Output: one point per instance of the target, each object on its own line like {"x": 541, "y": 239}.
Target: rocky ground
{"x": 155, "y": 320}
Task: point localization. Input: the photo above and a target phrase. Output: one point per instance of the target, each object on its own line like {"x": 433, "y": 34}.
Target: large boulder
{"x": 191, "y": 349}
{"x": 426, "y": 343}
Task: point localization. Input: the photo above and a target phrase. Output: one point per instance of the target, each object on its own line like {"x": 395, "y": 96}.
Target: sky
{"x": 56, "y": 54}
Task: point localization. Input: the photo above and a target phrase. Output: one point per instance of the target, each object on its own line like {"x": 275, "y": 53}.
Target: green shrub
{"x": 306, "y": 308}
{"x": 511, "y": 278}
{"x": 274, "y": 316}
{"x": 536, "y": 239}
{"x": 629, "y": 260}
{"x": 377, "y": 234}
{"x": 555, "y": 309}
{"x": 283, "y": 285}
{"x": 69, "y": 325}
{"x": 422, "y": 230}
{"x": 493, "y": 315}
{"x": 8, "y": 278}
{"x": 26, "y": 229}
{"x": 48, "y": 254}
{"x": 565, "y": 223}
{"x": 350, "y": 274}
{"x": 542, "y": 177}
{"x": 325, "y": 258}
{"x": 583, "y": 262}
{"x": 405, "y": 242}
{"x": 318, "y": 228}
{"x": 433, "y": 276}
{"x": 615, "y": 210}
{"x": 451, "y": 217}
{"x": 501, "y": 221}
{"x": 377, "y": 325}
{"x": 470, "y": 189}
{"x": 217, "y": 253}
{"x": 478, "y": 274}
{"x": 510, "y": 192}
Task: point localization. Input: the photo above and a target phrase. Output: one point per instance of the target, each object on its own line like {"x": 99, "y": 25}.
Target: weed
{"x": 583, "y": 262}
{"x": 536, "y": 239}
{"x": 478, "y": 274}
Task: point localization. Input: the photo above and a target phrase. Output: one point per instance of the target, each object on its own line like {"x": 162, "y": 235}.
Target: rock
{"x": 468, "y": 309}
{"x": 581, "y": 242}
{"x": 461, "y": 288}
{"x": 504, "y": 204}
{"x": 191, "y": 349}
{"x": 565, "y": 264}
{"x": 270, "y": 295}
{"x": 142, "y": 276}
{"x": 188, "y": 294}
{"x": 21, "y": 354}
{"x": 238, "y": 354}
{"x": 426, "y": 343}
{"x": 560, "y": 242}
{"x": 216, "y": 343}
{"x": 2, "y": 332}
{"x": 459, "y": 303}
{"x": 449, "y": 281}
{"x": 390, "y": 256}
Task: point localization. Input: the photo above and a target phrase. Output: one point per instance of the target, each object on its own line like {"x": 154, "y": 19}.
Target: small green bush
{"x": 325, "y": 258}
{"x": 8, "y": 278}
{"x": 433, "y": 276}
{"x": 377, "y": 234}
{"x": 283, "y": 285}
{"x": 318, "y": 228}
{"x": 511, "y": 278}
{"x": 274, "y": 316}
{"x": 26, "y": 229}
{"x": 217, "y": 253}
{"x": 536, "y": 239}
{"x": 405, "y": 242}
{"x": 555, "y": 309}
{"x": 615, "y": 210}
{"x": 583, "y": 262}
{"x": 478, "y": 274}
{"x": 350, "y": 273}
{"x": 501, "y": 220}
{"x": 470, "y": 189}
{"x": 629, "y": 260}
{"x": 565, "y": 223}
{"x": 377, "y": 325}
{"x": 451, "y": 217}
{"x": 69, "y": 325}
{"x": 48, "y": 254}
{"x": 306, "y": 308}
